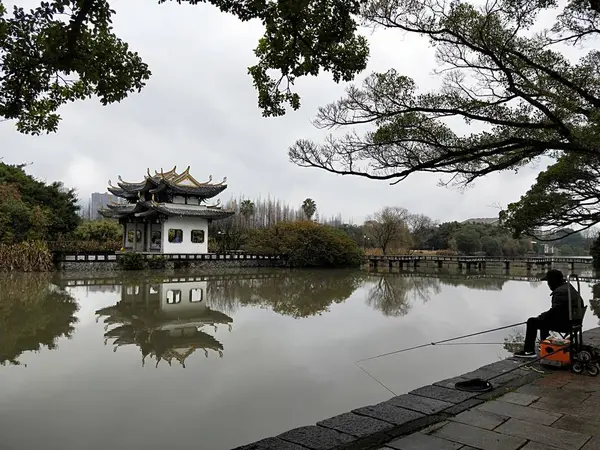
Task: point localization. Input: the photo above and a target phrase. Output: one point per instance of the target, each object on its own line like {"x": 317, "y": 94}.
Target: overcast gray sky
{"x": 199, "y": 109}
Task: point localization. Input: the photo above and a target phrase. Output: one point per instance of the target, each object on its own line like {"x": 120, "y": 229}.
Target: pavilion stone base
{"x": 103, "y": 266}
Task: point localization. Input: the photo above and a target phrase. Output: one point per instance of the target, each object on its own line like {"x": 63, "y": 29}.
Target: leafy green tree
{"x": 309, "y": 207}
{"x": 468, "y": 241}
{"x": 491, "y": 246}
{"x": 529, "y": 98}
{"x": 66, "y": 50}
{"x": 442, "y": 235}
{"x": 58, "y": 205}
{"x": 18, "y": 220}
{"x": 99, "y": 230}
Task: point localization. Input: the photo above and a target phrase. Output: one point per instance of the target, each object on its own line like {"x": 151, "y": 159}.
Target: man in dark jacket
{"x": 557, "y": 317}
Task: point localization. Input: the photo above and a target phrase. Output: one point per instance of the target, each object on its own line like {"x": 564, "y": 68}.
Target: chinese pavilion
{"x": 167, "y": 212}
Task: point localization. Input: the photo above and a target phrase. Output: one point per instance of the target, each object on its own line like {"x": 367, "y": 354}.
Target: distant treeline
{"x": 396, "y": 230}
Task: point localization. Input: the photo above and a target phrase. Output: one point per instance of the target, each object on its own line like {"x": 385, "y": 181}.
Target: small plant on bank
{"x": 131, "y": 261}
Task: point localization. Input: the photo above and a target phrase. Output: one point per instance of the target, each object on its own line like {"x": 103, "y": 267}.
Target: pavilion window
{"x": 175, "y": 236}
{"x": 197, "y": 236}
{"x": 173, "y": 297}
{"x": 155, "y": 239}
{"x": 196, "y": 295}
{"x": 138, "y": 236}
{"x": 130, "y": 236}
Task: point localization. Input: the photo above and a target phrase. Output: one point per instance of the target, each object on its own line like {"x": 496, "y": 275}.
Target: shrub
{"x": 131, "y": 261}
{"x": 157, "y": 262}
{"x": 84, "y": 246}
{"x": 26, "y": 256}
{"x": 99, "y": 231}
{"x": 307, "y": 244}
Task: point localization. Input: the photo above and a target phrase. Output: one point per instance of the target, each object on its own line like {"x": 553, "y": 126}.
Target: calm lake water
{"x": 181, "y": 361}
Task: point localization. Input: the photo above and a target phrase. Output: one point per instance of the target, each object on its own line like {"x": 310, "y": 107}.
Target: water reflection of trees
{"x": 393, "y": 294}
{"x": 33, "y": 314}
{"x": 299, "y": 294}
{"x": 475, "y": 282}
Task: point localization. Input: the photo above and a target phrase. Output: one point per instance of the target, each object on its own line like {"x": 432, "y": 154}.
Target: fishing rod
{"x": 476, "y": 381}
{"x": 439, "y": 342}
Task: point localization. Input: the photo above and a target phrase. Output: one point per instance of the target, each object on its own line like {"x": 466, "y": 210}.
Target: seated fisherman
{"x": 556, "y": 318}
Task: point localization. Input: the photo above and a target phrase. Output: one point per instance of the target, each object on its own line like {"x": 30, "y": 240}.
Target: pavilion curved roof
{"x": 150, "y": 208}
{"x": 180, "y": 183}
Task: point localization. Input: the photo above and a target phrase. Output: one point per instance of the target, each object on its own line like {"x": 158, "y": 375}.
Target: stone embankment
{"x": 527, "y": 410}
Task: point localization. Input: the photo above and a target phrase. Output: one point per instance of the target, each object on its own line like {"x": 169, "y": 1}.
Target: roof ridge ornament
{"x": 222, "y": 182}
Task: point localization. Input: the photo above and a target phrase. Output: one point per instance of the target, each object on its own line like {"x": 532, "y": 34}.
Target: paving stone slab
{"x": 450, "y": 382}
{"x": 588, "y": 411}
{"x": 478, "y": 437}
{"x": 316, "y": 438}
{"x": 520, "y": 412}
{"x": 431, "y": 428}
{"x": 420, "y": 441}
{"x": 420, "y": 404}
{"x": 271, "y": 444}
{"x": 579, "y": 425}
{"x": 389, "y": 413}
{"x": 463, "y": 406}
{"x": 519, "y": 399}
{"x": 556, "y": 437}
{"x": 540, "y": 391}
{"x": 552, "y": 402}
{"x": 537, "y": 446}
{"x": 592, "y": 444}
{"x": 480, "y": 419}
{"x": 355, "y": 425}
{"x": 443, "y": 394}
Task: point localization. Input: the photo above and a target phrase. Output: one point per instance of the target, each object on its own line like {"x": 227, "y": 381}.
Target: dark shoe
{"x": 524, "y": 354}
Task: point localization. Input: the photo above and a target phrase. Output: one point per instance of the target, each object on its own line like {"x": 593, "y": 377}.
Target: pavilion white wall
{"x": 186, "y": 224}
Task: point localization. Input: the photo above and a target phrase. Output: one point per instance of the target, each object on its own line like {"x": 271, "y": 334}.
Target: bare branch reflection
{"x": 392, "y": 294}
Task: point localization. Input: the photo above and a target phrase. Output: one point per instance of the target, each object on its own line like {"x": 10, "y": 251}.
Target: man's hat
{"x": 553, "y": 275}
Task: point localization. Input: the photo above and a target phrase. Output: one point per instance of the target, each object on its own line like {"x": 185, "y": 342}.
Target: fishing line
{"x": 440, "y": 342}
{"x": 372, "y": 376}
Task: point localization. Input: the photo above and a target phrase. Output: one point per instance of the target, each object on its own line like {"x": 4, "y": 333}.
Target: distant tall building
{"x": 100, "y": 201}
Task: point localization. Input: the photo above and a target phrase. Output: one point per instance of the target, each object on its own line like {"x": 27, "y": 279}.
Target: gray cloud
{"x": 199, "y": 109}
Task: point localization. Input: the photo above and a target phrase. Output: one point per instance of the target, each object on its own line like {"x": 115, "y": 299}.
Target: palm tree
{"x": 309, "y": 207}
{"x": 247, "y": 209}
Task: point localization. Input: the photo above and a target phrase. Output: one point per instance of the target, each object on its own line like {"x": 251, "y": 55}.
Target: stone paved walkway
{"x": 525, "y": 411}
{"x": 558, "y": 411}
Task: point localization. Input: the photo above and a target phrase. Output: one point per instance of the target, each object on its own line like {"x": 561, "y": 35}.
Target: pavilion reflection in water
{"x": 167, "y": 321}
